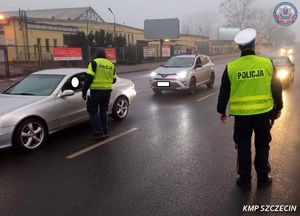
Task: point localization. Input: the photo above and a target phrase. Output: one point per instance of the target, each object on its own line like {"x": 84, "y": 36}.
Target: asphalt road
{"x": 170, "y": 156}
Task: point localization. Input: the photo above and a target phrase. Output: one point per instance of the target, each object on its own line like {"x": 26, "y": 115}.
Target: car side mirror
{"x": 198, "y": 65}
{"x": 67, "y": 92}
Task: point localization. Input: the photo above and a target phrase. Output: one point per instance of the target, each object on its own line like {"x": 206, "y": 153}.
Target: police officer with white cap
{"x": 253, "y": 91}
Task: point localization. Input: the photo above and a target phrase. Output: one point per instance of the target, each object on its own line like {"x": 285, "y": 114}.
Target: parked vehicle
{"x": 50, "y": 100}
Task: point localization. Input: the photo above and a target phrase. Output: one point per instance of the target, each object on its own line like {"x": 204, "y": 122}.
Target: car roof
{"x": 61, "y": 71}
{"x": 278, "y": 56}
{"x": 188, "y": 56}
{"x": 185, "y": 56}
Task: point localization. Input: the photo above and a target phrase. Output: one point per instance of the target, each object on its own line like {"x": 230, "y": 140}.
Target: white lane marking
{"x": 207, "y": 96}
{"x": 76, "y": 154}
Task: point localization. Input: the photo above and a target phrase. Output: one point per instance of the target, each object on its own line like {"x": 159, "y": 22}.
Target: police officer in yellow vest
{"x": 253, "y": 90}
{"x": 100, "y": 77}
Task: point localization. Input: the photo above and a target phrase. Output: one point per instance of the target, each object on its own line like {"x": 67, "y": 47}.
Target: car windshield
{"x": 180, "y": 62}
{"x": 279, "y": 61}
{"x": 35, "y": 84}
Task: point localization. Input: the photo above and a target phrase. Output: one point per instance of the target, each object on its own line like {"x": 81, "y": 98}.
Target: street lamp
{"x": 87, "y": 34}
{"x": 87, "y": 23}
{"x": 114, "y": 26}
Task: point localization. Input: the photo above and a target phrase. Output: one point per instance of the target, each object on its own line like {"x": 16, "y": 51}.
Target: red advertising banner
{"x": 67, "y": 53}
{"x": 166, "y": 51}
{"x": 149, "y": 51}
{"x": 111, "y": 54}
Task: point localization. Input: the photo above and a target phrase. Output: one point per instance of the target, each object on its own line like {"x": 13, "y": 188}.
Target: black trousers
{"x": 244, "y": 126}
{"x": 97, "y": 106}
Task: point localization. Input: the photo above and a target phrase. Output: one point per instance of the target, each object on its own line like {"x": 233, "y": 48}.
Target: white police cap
{"x": 245, "y": 36}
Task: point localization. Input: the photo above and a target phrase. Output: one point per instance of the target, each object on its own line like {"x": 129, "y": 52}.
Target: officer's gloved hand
{"x": 83, "y": 96}
{"x": 277, "y": 114}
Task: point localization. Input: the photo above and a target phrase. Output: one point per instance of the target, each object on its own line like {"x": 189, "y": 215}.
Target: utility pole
{"x": 114, "y": 27}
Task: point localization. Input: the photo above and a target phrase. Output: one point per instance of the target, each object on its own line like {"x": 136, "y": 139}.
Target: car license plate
{"x": 163, "y": 84}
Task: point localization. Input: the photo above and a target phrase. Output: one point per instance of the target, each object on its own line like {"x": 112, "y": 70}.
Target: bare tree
{"x": 283, "y": 36}
{"x": 263, "y": 22}
{"x": 203, "y": 23}
{"x": 241, "y": 14}
{"x": 236, "y": 12}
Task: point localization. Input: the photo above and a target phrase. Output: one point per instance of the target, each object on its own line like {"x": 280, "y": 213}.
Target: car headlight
{"x": 283, "y": 51}
{"x": 181, "y": 74}
{"x": 153, "y": 74}
{"x": 290, "y": 51}
{"x": 282, "y": 74}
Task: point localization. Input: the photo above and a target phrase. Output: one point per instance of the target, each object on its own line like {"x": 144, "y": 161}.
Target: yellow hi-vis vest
{"x": 250, "y": 82}
{"x": 104, "y": 74}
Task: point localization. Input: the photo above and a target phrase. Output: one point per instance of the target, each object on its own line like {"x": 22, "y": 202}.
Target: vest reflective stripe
{"x": 250, "y": 80}
{"x": 250, "y": 98}
{"x": 104, "y": 75}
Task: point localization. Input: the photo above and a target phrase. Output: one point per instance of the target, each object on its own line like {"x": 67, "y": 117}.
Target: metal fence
{"x": 32, "y": 58}
{"x": 26, "y": 59}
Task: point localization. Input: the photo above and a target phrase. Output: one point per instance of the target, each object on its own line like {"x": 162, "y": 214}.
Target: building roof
{"x": 76, "y": 14}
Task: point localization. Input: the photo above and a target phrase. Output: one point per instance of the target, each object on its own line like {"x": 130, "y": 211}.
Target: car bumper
{"x": 169, "y": 84}
{"x": 6, "y": 137}
{"x": 131, "y": 96}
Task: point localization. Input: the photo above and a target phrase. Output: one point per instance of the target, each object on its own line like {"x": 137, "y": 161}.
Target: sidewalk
{"x": 15, "y": 72}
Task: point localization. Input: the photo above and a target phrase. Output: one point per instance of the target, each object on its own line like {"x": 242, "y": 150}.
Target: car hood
{"x": 280, "y": 67}
{"x": 173, "y": 70}
{"x": 121, "y": 81}
{"x": 13, "y": 102}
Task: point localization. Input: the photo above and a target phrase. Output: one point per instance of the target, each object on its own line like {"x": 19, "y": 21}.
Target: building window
{"x": 47, "y": 45}
{"x": 38, "y": 41}
{"x": 132, "y": 39}
{"x": 55, "y": 42}
{"x": 51, "y": 27}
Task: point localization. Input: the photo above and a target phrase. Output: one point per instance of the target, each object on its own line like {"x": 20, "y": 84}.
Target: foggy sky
{"x": 134, "y": 12}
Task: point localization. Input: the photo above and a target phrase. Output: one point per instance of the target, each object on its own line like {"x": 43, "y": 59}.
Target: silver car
{"x": 183, "y": 72}
{"x": 50, "y": 100}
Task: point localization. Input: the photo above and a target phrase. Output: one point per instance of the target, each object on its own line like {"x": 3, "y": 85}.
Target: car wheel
{"x": 157, "y": 91}
{"x": 120, "y": 108}
{"x": 211, "y": 81}
{"x": 192, "y": 86}
{"x": 30, "y": 135}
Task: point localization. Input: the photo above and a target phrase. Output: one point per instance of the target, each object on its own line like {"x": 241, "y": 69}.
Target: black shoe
{"x": 265, "y": 183}
{"x": 243, "y": 184}
{"x": 97, "y": 136}
{"x": 105, "y": 133}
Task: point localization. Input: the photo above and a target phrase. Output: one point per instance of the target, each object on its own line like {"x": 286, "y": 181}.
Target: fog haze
{"x": 134, "y": 12}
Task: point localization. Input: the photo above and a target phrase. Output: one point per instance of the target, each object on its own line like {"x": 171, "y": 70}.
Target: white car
{"x": 183, "y": 72}
{"x": 50, "y": 100}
